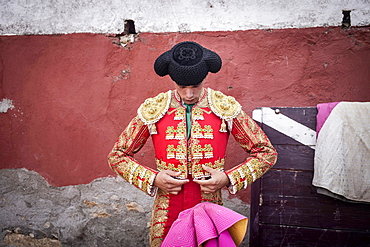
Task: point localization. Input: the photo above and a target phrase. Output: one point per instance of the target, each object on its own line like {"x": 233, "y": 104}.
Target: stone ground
{"x": 105, "y": 212}
{"x": 16, "y": 239}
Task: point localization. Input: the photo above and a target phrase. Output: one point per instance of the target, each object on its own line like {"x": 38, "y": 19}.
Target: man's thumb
{"x": 173, "y": 173}
{"x": 207, "y": 169}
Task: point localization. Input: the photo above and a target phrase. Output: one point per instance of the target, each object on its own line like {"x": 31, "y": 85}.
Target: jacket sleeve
{"x": 121, "y": 158}
{"x": 262, "y": 154}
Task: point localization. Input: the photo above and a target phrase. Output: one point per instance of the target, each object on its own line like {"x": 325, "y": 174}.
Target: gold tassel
{"x": 223, "y": 126}
{"x": 153, "y": 129}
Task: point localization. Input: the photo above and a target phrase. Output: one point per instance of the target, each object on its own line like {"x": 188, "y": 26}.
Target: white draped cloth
{"x": 342, "y": 154}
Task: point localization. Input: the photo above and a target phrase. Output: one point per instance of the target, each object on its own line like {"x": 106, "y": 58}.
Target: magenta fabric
{"x": 206, "y": 223}
{"x": 224, "y": 239}
{"x": 323, "y": 112}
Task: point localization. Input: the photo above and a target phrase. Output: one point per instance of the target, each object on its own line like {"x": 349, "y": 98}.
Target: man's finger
{"x": 173, "y": 173}
{"x": 205, "y": 189}
{"x": 209, "y": 169}
{"x": 201, "y": 181}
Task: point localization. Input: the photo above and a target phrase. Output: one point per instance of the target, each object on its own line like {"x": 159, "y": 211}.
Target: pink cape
{"x": 207, "y": 224}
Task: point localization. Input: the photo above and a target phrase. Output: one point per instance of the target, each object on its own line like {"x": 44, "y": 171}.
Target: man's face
{"x": 189, "y": 94}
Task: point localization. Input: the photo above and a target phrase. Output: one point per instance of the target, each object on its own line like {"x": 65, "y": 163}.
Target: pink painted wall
{"x": 73, "y": 94}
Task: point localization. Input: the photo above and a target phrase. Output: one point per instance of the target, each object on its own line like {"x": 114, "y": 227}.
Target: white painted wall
{"x": 107, "y": 16}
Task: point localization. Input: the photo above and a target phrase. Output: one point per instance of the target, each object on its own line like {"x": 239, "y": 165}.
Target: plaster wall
{"x": 20, "y": 17}
{"x": 68, "y": 97}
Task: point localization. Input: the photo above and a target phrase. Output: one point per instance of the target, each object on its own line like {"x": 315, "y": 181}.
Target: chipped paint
{"x": 5, "y": 105}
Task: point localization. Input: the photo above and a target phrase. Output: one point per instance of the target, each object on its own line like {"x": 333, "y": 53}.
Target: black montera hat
{"x": 187, "y": 63}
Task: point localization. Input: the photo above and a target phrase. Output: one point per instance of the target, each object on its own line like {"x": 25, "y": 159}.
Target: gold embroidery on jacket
{"x": 197, "y": 152}
{"x": 194, "y": 150}
{"x": 208, "y": 151}
{"x": 162, "y": 165}
{"x": 184, "y": 161}
{"x": 197, "y": 113}
{"x": 180, "y": 132}
{"x": 135, "y": 174}
{"x": 196, "y": 131}
{"x": 170, "y": 133}
{"x": 159, "y": 218}
{"x": 180, "y": 152}
{"x": 170, "y": 152}
{"x": 212, "y": 197}
{"x": 225, "y": 107}
{"x": 180, "y": 114}
{"x": 263, "y": 155}
{"x": 208, "y": 132}
{"x": 154, "y": 109}
{"x": 198, "y": 171}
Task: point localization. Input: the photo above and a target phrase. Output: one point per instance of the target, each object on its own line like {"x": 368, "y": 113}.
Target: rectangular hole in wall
{"x": 129, "y": 27}
{"x": 346, "y": 22}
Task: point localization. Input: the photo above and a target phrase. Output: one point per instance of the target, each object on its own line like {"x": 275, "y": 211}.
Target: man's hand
{"x": 166, "y": 181}
{"x": 217, "y": 181}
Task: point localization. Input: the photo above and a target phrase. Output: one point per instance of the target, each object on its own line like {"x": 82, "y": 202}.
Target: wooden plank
{"x": 278, "y": 138}
{"x": 254, "y": 216}
{"x": 289, "y": 198}
{"x": 272, "y": 235}
{"x": 288, "y": 125}
{"x": 294, "y": 157}
{"x": 303, "y": 115}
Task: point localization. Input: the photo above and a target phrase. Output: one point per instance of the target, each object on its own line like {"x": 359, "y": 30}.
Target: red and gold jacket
{"x": 213, "y": 118}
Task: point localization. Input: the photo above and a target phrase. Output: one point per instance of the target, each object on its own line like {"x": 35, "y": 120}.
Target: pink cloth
{"x": 224, "y": 239}
{"x": 323, "y": 112}
{"x": 206, "y": 223}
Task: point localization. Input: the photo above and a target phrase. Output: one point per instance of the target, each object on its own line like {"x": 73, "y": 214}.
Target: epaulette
{"x": 225, "y": 107}
{"x": 153, "y": 109}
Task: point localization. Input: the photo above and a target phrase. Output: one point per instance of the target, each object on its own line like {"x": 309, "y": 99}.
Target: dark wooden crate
{"x": 286, "y": 210}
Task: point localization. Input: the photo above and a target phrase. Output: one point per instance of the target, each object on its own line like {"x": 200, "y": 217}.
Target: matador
{"x": 189, "y": 127}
